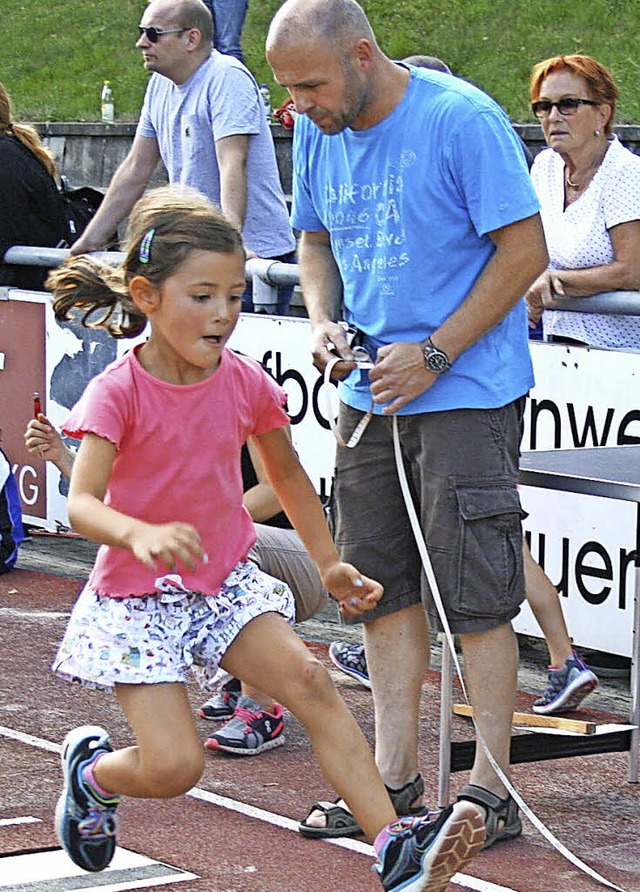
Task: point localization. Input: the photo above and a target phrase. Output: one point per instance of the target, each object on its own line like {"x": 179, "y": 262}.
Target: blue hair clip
{"x": 145, "y": 246}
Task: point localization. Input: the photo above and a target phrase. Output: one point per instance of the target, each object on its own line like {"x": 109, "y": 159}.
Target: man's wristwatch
{"x": 435, "y": 360}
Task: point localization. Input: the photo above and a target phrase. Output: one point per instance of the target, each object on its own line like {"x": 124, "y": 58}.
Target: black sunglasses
{"x": 154, "y": 34}
{"x": 567, "y": 106}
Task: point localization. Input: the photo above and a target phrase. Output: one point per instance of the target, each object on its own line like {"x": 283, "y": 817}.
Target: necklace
{"x": 593, "y": 167}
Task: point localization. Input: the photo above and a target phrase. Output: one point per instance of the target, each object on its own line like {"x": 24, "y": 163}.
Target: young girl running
{"x": 157, "y": 482}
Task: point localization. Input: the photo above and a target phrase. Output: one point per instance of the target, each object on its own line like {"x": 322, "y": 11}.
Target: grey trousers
{"x": 280, "y": 553}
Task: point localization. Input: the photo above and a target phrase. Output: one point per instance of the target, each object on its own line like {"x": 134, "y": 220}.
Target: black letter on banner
{"x": 589, "y": 428}
{"x": 265, "y": 362}
{"x": 294, "y": 375}
{"x": 582, "y": 569}
{"x": 536, "y": 409}
{"x": 627, "y": 558}
{"x": 322, "y": 421}
{"x": 563, "y": 584}
{"x": 625, "y": 439}
{"x": 325, "y": 495}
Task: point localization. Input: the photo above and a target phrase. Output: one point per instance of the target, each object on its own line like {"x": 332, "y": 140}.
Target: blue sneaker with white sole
{"x": 566, "y": 687}
{"x": 422, "y": 854}
{"x": 85, "y": 821}
{"x": 350, "y": 659}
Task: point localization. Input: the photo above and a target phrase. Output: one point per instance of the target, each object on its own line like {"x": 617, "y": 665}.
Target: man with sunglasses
{"x": 204, "y": 117}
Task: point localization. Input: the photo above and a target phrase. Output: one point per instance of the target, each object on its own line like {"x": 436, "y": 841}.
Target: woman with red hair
{"x": 589, "y": 189}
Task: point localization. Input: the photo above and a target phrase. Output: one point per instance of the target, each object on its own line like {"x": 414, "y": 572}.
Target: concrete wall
{"x": 88, "y": 154}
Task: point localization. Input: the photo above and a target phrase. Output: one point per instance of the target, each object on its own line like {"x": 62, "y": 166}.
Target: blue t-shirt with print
{"x": 409, "y": 204}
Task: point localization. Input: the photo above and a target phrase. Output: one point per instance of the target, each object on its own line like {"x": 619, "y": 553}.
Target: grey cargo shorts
{"x": 462, "y": 466}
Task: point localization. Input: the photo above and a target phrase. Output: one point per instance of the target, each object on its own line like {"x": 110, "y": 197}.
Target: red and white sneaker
{"x": 220, "y": 706}
{"x": 251, "y": 731}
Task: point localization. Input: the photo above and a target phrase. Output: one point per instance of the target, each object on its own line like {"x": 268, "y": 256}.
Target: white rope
{"x": 435, "y": 592}
{"x": 354, "y": 439}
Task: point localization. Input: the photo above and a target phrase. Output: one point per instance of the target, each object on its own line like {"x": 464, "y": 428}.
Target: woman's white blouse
{"x": 578, "y": 237}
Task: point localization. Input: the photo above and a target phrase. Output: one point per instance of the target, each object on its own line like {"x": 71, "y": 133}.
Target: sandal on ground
{"x": 502, "y": 819}
{"x": 340, "y": 822}
{"x": 404, "y": 798}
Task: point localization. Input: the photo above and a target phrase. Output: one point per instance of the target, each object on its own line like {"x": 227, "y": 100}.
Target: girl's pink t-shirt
{"x": 178, "y": 459}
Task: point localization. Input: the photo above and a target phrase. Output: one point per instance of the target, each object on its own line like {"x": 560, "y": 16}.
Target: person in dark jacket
{"x": 31, "y": 209}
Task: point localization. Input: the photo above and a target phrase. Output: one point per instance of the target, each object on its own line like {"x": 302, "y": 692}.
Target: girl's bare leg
{"x": 293, "y": 677}
{"x": 544, "y": 601}
{"x": 167, "y": 758}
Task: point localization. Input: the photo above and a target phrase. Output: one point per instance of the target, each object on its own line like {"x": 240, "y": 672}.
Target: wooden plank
{"x": 532, "y": 720}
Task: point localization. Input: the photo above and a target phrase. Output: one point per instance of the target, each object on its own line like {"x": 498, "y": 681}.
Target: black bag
{"x": 80, "y": 206}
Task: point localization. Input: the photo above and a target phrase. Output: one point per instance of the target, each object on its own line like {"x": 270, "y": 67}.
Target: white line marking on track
{"x": 33, "y": 614}
{"x": 354, "y": 845}
{"x": 30, "y": 740}
{"x": 252, "y": 811}
{"x": 52, "y": 870}
{"x": 11, "y": 822}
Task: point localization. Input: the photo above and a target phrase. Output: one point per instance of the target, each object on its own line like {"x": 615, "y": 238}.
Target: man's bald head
{"x": 185, "y": 14}
{"x": 324, "y": 52}
{"x": 337, "y": 23}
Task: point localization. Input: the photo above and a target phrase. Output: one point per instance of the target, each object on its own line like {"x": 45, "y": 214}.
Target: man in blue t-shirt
{"x": 420, "y": 224}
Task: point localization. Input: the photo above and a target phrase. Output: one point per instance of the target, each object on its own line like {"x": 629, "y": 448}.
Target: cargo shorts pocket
{"x": 490, "y": 565}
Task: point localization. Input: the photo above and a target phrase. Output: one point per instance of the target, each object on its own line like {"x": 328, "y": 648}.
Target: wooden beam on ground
{"x": 532, "y": 720}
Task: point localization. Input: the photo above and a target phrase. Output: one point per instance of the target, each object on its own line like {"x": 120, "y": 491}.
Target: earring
{"x": 596, "y": 133}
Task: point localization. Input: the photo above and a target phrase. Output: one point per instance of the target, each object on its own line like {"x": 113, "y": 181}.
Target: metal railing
{"x": 266, "y": 275}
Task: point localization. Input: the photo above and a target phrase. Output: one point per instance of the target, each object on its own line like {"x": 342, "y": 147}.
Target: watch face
{"x": 435, "y": 360}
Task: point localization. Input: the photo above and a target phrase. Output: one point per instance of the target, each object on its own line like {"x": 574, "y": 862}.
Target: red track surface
{"x": 587, "y": 802}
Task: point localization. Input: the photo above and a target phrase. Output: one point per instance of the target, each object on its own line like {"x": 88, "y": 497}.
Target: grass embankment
{"x": 56, "y": 54}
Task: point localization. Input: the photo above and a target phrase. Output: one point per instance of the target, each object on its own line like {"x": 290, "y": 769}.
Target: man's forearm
{"x": 233, "y": 199}
{"x": 232, "y": 153}
{"x": 319, "y": 279}
{"x": 122, "y": 194}
{"x": 520, "y": 257}
{"x": 127, "y": 185}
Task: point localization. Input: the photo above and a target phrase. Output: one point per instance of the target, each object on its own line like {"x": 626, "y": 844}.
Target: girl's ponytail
{"x": 82, "y": 283}
{"x": 165, "y": 226}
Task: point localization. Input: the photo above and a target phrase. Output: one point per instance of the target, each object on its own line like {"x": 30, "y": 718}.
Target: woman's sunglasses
{"x": 154, "y": 34}
{"x": 567, "y": 106}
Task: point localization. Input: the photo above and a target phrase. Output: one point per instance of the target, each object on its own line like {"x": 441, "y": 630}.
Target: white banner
{"x": 588, "y": 546}
{"x": 283, "y": 346}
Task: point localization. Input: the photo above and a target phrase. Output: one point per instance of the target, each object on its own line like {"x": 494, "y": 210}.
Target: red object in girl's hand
{"x": 37, "y": 405}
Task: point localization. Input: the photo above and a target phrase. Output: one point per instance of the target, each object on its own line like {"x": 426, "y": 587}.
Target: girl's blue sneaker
{"x": 85, "y": 822}
{"x": 422, "y": 854}
{"x": 351, "y": 659}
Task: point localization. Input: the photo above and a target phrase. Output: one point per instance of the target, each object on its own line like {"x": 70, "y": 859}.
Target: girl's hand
{"x": 356, "y": 593}
{"x": 43, "y": 440}
{"x": 169, "y": 543}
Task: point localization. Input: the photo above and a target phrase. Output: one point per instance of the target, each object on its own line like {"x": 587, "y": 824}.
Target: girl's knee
{"x": 171, "y": 776}
{"x": 315, "y": 682}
